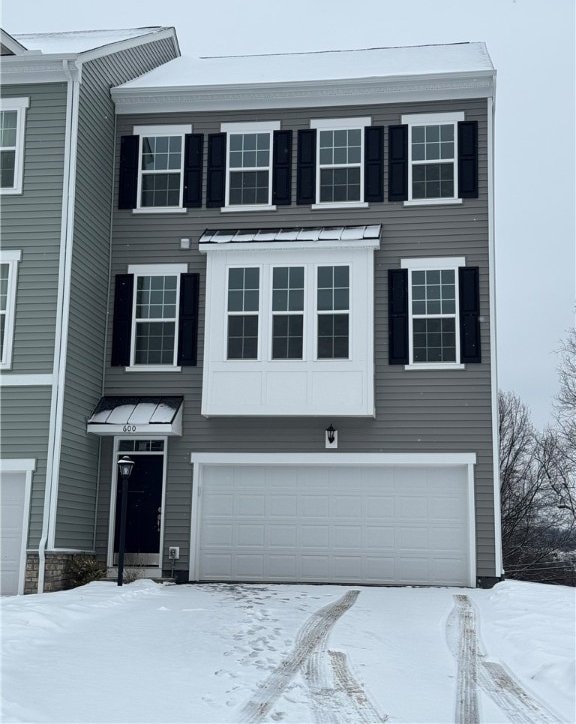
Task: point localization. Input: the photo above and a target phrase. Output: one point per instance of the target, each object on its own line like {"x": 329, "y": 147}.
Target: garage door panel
{"x": 405, "y": 525}
{"x": 12, "y": 527}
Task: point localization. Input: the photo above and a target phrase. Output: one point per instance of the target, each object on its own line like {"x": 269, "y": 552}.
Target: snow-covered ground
{"x": 221, "y": 653}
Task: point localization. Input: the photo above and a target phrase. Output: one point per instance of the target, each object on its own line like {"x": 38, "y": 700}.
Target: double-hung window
{"x": 287, "y": 312}
{"x": 249, "y": 164}
{"x": 333, "y": 311}
{"x": 434, "y": 329}
{"x": 8, "y": 275}
{"x": 12, "y": 131}
{"x": 432, "y": 156}
{"x": 243, "y": 312}
{"x": 155, "y": 315}
{"x": 161, "y": 166}
{"x": 340, "y": 161}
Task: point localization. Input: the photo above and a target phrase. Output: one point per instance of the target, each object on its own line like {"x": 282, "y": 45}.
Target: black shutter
{"x": 128, "y": 182}
{"x": 397, "y": 163}
{"x": 468, "y": 282}
{"x": 188, "y": 322}
{"x": 374, "y": 163}
{"x": 282, "y": 168}
{"x": 122, "y": 326}
{"x": 306, "y": 181}
{"x": 216, "y": 179}
{"x": 468, "y": 160}
{"x": 398, "y": 316}
{"x": 193, "y": 161}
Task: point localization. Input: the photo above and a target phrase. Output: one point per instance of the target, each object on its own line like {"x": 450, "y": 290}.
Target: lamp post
{"x": 125, "y": 466}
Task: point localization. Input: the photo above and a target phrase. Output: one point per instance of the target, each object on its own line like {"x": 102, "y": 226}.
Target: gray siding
{"x": 89, "y": 284}
{"x": 25, "y": 415}
{"x": 424, "y": 411}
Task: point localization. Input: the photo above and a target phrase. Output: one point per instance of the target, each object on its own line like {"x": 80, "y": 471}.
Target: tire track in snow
{"x": 467, "y": 658}
{"x": 315, "y": 630}
{"x": 503, "y": 688}
{"x": 365, "y": 710}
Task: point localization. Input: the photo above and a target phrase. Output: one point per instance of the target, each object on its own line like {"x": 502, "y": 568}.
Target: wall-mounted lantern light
{"x": 331, "y": 437}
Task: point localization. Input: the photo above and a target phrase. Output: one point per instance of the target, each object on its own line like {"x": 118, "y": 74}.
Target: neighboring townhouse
{"x": 301, "y": 330}
{"x": 57, "y": 130}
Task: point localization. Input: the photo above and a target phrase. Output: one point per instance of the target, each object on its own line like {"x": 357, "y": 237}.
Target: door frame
{"x": 27, "y": 467}
{"x": 201, "y": 460}
{"x": 113, "y": 492}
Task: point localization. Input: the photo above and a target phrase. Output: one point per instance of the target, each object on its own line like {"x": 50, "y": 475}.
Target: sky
{"x": 532, "y": 45}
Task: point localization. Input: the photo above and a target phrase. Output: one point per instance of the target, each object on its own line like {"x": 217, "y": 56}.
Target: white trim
{"x": 239, "y": 208}
{"x": 26, "y": 466}
{"x": 341, "y": 205}
{"x": 113, "y": 488}
{"x": 26, "y": 380}
{"x": 250, "y": 127}
{"x": 258, "y": 246}
{"x": 11, "y": 43}
{"x": 156, "y": 270}
{"x": 432, "y": 119}
{"x": 71, "y": 550}
{"x": 419, "y": 366}
{"x": 199, "y": 460}
{"x": 163, "y": 130}
{"x": 433, "y": 262}
{"x": 11, "y": 259}
{"x": 329, "y": 124}
{"x": 493, "y": 355}
{"x": 161, "y": 210}
{"x": 232, "y": 458}
{"x": 129, "y": 43}
{"x": 153, "y": 368}
{"x": 443, "y": 201}
{"x": 19, "y": 105}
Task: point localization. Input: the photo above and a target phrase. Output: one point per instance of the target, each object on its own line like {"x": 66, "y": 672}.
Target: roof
{"x": 81, "y": 41}
{"x": 316, "y": 66}
{"x": 140, "y": 414}
{"x": 301, "y": 233}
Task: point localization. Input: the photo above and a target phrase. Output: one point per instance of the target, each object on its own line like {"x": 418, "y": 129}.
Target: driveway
{"x": 265, "y": 653}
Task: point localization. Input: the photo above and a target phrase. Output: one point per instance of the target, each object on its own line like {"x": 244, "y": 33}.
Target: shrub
{"x": 83, "y": 569}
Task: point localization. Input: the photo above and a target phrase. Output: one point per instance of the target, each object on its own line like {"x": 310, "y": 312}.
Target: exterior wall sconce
{"x": 331, "y": 437}
{"x": 125, "y": 466}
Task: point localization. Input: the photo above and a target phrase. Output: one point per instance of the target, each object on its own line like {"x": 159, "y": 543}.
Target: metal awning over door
{"x": 137, "y": 415}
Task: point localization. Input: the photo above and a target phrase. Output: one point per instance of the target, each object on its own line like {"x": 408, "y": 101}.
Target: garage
{"x": 339, "y": 518}
{"x": 15, "y": 484}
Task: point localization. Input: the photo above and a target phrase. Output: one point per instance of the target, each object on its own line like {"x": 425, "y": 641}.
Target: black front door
{"x": 144, "y": 512}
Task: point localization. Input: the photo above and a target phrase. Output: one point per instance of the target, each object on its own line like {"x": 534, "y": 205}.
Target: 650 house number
{"x": 129, "y": 428}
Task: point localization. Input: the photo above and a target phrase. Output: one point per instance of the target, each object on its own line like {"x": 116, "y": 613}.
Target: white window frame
{"x": 156, "y": 132}
{"x": 288, "y": 313}
{"x": 432, "y": 119}
{"x": 19, "y": 105}
{"x": 433, "y": 264}
{"x": 12, "y": 259}
{"x": 340, "y": 124}
{"x": 332, "y": 312}
{"x": 240, "y": 129}
{"x": 155, "y": 270}
{"x": 258, "y": 314}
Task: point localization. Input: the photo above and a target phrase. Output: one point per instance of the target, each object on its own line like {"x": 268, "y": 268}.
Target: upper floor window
{"x": 8, "y": 276}
{"x": 161, "y": 166}
{"x": 340, "y": 160}
{"x": 287, "y": 312}
{"x": 333, "y": 306}
{"x": 249, "y": 164}
{"x": 243, "y": 312}
{"x": 12, "y": 131}
{"x": 432, "y": 156}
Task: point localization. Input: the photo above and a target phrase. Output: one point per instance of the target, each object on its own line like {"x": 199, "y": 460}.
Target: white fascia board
{"x": 25, "y": 69}
{"x": 311, "y": 94}
{"x": 152, "y": 429}
{"x": 257, "y": 246}
{"x": 18, "y": 465}
{"x": 330, "y": 458}
{"x": 129, "y": 43}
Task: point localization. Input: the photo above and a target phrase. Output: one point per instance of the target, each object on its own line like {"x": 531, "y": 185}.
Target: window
{"x": 243, "y": 308}
{"x": 333, "y": 305}
{"x": 432, "y": 155}
{"x": 249, "y": 164}
{"x": 161, "y": 166}
{"x": 433, "y": 311}
{"x": 12, "y": 128}
{"x": 287, "y": 312}
{"x": 8, "y": 274}
{"x": 155, "y": 315}
{"x": 340, "y": 160}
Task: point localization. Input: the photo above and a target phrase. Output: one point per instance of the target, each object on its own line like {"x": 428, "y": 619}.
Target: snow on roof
{"x": 315, "y": 66}
{"x": 79, "y": 41}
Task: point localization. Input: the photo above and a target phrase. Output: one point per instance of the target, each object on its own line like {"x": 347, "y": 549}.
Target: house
{"x": 300, "y": 345}
{"x": 57, "y": 134}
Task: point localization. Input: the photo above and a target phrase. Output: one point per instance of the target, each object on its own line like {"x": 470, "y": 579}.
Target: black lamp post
{"x": 125, "y": 466}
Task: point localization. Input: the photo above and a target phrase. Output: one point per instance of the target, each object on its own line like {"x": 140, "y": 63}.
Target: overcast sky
{"x": 532, "y": 46}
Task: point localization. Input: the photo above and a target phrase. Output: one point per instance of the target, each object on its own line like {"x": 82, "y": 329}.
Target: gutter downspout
{"x": 72, "y": 73}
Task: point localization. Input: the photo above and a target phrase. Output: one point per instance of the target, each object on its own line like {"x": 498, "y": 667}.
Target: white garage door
{"x": 348, "y": 524}
{"x": 12, "y": 520}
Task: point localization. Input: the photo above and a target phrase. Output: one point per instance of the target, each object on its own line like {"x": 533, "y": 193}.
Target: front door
{"x": 144, "y": 512}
